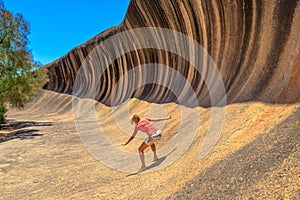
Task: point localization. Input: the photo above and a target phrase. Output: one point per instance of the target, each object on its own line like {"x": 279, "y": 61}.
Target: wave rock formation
{"x": 254, "y": 44}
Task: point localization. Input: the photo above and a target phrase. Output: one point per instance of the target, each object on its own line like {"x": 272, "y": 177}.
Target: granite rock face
{"x": 254, "y": 44}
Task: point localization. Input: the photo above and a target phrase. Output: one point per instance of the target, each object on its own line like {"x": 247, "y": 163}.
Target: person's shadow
{"x": 155, "y": 164}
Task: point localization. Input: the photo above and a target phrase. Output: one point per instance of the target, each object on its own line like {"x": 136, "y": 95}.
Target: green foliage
{"x": 19, "y": 82}
{"x": 2, "y": 112}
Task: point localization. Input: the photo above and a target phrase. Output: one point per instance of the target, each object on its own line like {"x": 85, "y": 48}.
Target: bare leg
{"x": 153, "y": 148}
{"x": 142, "y": 147}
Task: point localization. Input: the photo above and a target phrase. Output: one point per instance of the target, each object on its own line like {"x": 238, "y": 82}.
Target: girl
{"x": 154, "y": 134}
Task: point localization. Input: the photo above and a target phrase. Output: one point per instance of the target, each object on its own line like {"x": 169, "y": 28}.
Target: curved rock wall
{"x": 255, "y": 45}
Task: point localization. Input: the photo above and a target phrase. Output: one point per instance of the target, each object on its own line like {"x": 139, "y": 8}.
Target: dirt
{"x": 255, "y": 157}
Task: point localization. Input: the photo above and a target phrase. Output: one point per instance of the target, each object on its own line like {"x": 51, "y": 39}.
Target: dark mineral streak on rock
{"x": 255, "y": 45}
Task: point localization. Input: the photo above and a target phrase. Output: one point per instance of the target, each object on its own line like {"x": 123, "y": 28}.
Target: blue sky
{"x": 57, "y": 26}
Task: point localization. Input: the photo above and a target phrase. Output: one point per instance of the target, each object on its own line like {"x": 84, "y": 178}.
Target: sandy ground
{"x": 46, "y": 158}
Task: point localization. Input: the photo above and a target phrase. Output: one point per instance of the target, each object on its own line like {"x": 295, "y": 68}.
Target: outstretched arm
{"x": 129, "y": 140}
{"x": 161, "y": 119}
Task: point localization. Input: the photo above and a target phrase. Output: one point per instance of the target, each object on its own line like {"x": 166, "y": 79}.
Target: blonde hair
{"x": 134, "y": 116}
